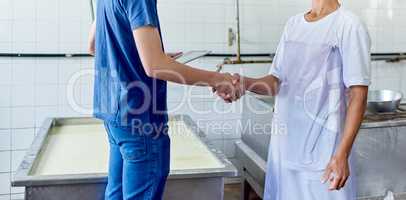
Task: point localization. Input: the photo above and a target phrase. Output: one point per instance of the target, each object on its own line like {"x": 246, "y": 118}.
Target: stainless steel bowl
{"x": 384, "y": 101}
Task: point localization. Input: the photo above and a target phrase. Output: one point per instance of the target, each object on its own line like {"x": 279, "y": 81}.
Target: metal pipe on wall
{"x": 238, "y": 60}
{"x": 92, "y": 9}
{"x": 237, "y": 2}
{"x": 388, "y": 57}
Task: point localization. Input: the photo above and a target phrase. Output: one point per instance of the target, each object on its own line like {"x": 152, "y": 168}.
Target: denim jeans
{"x": 138, "y": 165}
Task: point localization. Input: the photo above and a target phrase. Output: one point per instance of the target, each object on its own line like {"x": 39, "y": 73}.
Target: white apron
{"x": 309, "y": 116}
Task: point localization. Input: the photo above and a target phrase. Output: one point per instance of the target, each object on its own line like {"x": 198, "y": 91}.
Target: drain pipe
{"x": 237, "y": 6}
{"x": 238, "y": 60}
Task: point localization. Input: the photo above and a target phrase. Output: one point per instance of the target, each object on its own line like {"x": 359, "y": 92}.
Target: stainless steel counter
{"x": 379, "y": 152}
{"x": 196, "y": 183}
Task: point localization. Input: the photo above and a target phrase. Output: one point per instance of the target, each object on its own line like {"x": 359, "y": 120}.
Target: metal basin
{"x": 383, "y": 101}
{"x": 83, "y": 175}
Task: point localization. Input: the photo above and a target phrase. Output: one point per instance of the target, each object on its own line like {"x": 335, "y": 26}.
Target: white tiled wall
{"x": 34, "y": 88}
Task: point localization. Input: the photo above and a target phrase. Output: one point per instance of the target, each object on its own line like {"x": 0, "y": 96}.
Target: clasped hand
{"x": 230, "y": 87}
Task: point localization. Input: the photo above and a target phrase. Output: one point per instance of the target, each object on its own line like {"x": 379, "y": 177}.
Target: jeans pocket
{"x": 134, "y": 150}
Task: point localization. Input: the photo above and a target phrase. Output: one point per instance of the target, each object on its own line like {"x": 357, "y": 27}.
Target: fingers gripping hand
{"x": 225, "y": 88}
{"x": 238, "y": 84}
{"x": 230, "y": 89}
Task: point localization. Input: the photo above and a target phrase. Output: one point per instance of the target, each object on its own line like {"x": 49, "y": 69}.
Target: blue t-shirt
{"x": 123, "y": 94}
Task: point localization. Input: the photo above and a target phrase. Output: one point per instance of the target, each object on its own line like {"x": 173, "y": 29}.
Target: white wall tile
{"x": 67, "y": 69}
{"x": 5, "y": 197}
{"x": 176, "y": 92}
{"x": 86, "y": 96}
{"x": 47, "y": 9}
{"x": 22, "y": 95}
{"x": 45, "y": 95}
{"x": 5, "y": 119}
{"x": 4, "y": 183}
{"x": 23, "y": 71}
{"x": 24, "y": 47}
{"x": 22, "y": 117}
{"x": 6, "y": 7}
{"x": 24, "y": 30}
{"x": 6, "y": 46}
{"x": 399, "y": 35}
{"x": 67, "y": 10}
{"x": 6, "y": 72}
{"x": 22, "y": 138}
{"x": 5, "y": 138}
{"x": 71, "y": 111}
{"x": 47, "y": 36}
{"x": 69, "y": 95}
{"x": 69, "y": 30}
{"x": 24, "y": 10}
{"x": 5, "y": 96}
{"x": 43, "y": 112}
{"x": 16, "y": 159}
{"x": 5, "y": 161}
{"x": 6, "y": 30}
{"x": 87, "y": 63}
{"x": 46, "y": 72}
{"x": 62, "y": 95}
{"x": 198, "y": 94}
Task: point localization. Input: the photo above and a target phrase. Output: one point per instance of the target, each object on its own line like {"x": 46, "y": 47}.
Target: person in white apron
{"x": 320, "y": 77}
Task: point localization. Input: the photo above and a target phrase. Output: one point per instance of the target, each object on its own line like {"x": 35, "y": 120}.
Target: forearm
{"x": 267, "y": 85}
{"x": 158, "y": 65}
{"x": 170, "y": 70}
{"x": 354, "y": 118}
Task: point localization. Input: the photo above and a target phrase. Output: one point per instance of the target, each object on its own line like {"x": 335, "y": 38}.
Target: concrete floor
{"x": 233, "y": 192}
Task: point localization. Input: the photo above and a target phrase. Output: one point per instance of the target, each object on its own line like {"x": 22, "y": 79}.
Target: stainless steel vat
{"x": 379, "y": 153}
{"x": 185, "y": 184}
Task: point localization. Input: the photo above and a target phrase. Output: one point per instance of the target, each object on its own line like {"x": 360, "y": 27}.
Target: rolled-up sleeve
{"x": 141, "y": 13}
{"x": 356, "y": 56}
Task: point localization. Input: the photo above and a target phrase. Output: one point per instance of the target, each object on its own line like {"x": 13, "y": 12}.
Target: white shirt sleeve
{"x": 356, "y": 57}
{"x": 275, "y": 69}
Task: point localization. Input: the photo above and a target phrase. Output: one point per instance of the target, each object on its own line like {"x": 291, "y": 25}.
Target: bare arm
{"x": 158, "y": 65}
{"x": 91, "y": 39}
{"x": 355, "y": 113}
{"x": 267, "y": 85}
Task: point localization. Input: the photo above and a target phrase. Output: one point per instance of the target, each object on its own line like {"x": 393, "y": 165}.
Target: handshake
{"x": 229, "y": 87}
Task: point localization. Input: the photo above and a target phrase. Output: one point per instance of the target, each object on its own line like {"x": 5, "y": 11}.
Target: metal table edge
{"x": 23, "y": 170}
{"x": 23, "y": 177}
{"x": 364, "y": 125}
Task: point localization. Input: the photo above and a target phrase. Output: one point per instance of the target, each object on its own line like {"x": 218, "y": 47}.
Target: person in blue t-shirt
{"x": 131, "y": 70}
